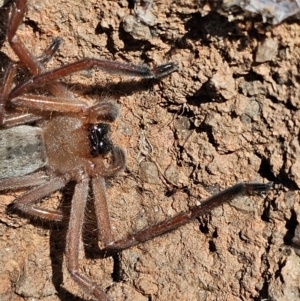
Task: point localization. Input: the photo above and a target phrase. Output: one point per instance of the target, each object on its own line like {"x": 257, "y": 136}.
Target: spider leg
{"x": 184, "y": 217}
{"x": 7, "y": 83}
{"x": 35, "y": 179}
{"x": 35, "y": 65}
{"x": 101, "y": 208}
{"x": 12, "y": 119}
{"x": 73, "y": 241}
{"x": 104, "y": 111}
{"x": 4, "y": 90}
{"x": 16, "y": 44}
{"x": 117, "y": 165}
{"x": 41, "y": 77}
{"x": 15, "y": 119}
{"x": 48, "y": 54}
{"x": 26, "y": 202}
{"x": 49, "y": 103}
{"x": 99, "y": 191}
{"x": 89, "y": 63}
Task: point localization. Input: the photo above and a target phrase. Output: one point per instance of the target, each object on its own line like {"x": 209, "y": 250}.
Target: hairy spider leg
{"x": 12, "y": 119}
{"x": 185, "y": 217}
{"x": 41, "y": 77}
{"x": 48, "y": 54}
{"x": 16, "y": 118}
{"x": 73, "y": 241}
{"x": 89, "y": 63}
{"x": 35, "y": 179}
{"x": 34, "y": 65}
{"x": 26, "y": 202}
{"x": 64, "y": 102}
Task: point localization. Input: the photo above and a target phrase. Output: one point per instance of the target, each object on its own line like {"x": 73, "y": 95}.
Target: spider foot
{"x": 258, "y": 188}
{"x": 48, "y": 54}
{"x": 164, "y": 69}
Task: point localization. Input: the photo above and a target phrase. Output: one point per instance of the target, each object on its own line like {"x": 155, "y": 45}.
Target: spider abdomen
{"x": 22, "y": 151}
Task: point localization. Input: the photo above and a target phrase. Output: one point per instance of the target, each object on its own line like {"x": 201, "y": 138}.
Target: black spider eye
{"x": 104, "y": 146}
{"x": 99, "y": 141}
{"x": 92, "y": 128}
{"x": 102, "y": 129}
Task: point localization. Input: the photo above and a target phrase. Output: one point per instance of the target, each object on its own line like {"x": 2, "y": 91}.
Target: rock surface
{"x": 221, "y": 119}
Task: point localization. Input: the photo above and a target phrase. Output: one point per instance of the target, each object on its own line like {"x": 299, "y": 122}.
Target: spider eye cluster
{"x": 99, "y": 141}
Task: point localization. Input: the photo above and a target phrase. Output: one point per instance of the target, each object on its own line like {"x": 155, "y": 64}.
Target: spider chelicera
{"x": 70, "y": 142}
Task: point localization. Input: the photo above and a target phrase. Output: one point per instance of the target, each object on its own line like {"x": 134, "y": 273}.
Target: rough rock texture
{"x": 271, "y": 11}
{"x": 224, "y": 117}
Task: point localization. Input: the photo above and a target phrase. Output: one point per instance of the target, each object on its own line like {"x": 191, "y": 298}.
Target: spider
{"x": 62, "y": 139}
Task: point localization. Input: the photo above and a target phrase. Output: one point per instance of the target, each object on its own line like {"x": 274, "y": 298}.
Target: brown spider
{"x": 70, "y": 145}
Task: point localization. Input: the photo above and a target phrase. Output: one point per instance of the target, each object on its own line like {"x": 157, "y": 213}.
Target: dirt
{"x": 229, "y": 114}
